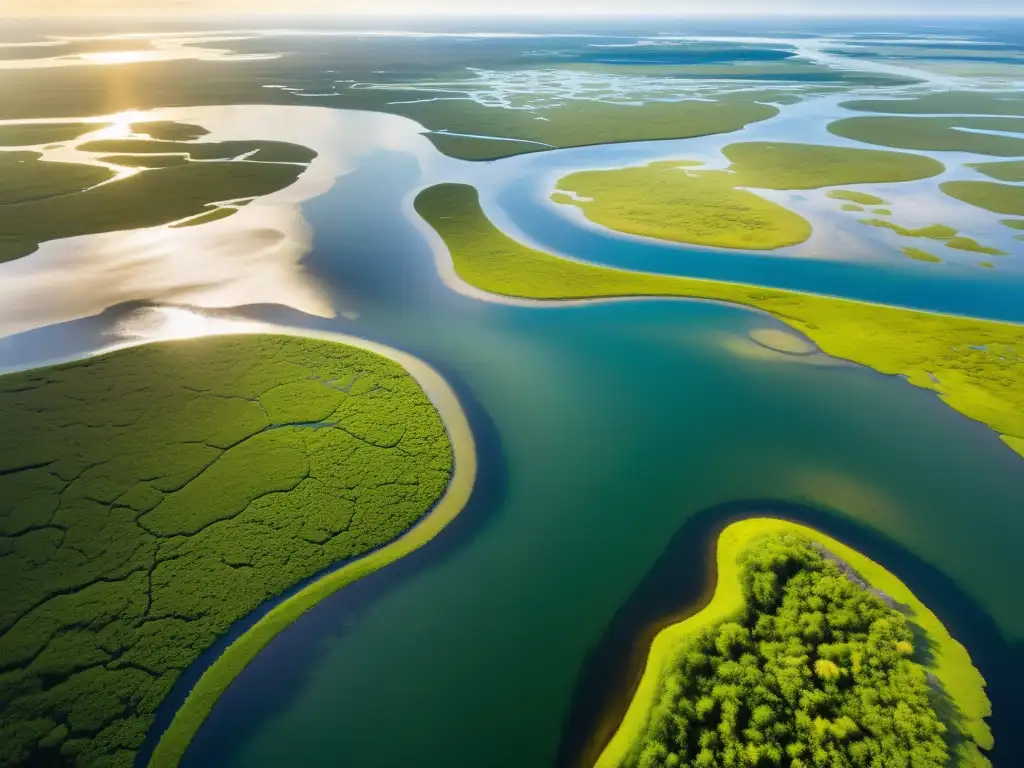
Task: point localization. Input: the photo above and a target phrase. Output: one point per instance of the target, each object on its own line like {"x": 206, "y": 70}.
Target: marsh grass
{"x": 975, "y": 366}
{"x": 151, "y": 497}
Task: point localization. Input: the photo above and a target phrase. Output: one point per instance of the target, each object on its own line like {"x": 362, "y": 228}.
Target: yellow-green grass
{"x": 940, "y": 232}
{"x": 946, "y": 102}
{"x": 862, "y": 198}
{"x": 1007, "y": 199}
{"x": 44, "y": 201}
{"x": 666, "y": 201}
{"x": 216, "y": 679}
{"x": 975, "y": 366}
{"x": 145, "y": 161}
{"x": 882, "y": 212}
{"x": 783, "y": 165}
{"x": 918, "y": 255}
{"x": 938, "y": 134}
{"x": 205, "y": 218}
{"x": 671, "y": 201}
{"x": 33, "y": 134}
{"x": 1013, "y": 223}
{"x": 991, "y": 265}
{"x": 948, "y": 661}
{"x": 851, "y": 207}
{"x": 154, "y": 496}
{"x": 263, "y": 151}
{"x": 1011, "y": 170}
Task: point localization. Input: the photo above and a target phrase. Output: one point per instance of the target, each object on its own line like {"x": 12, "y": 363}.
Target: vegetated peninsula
{"x": 937, "y": 134}
{"x": 152, "y": 497}
{"x": 676, "y": 201}
{"x": 809, "y": 654}
{"x": 975, "y": 366}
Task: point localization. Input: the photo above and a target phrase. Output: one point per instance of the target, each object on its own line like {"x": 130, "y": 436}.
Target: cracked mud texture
{"x": 152, "y": 497}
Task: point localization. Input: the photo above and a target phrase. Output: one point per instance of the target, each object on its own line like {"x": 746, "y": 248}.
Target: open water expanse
{"x": 607, "y": 431}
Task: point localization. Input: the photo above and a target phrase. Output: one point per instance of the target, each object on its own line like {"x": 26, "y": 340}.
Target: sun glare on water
{"x": 176, "y": 323}
{"x": 118, "y": 57}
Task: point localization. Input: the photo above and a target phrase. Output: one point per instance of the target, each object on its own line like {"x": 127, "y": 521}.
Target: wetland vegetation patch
{"x": 975, "y": 366}
{"x": 1007, "y": 199}
{"x": 936, "y": 134}
{"x": 809, "y": 654}
{"x": 152, "y": 497}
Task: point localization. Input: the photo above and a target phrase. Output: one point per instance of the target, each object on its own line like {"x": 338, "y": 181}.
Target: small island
{"x": 808, "y": 654}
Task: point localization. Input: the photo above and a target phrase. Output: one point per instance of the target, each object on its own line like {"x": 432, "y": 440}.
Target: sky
{"x": 9, "y": 8}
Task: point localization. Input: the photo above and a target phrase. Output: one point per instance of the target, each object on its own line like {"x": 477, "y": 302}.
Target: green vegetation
{"x": 882, "y": 212}
{"x": 262, "y": 151}
{"x": 946, "y": 103}
{"x": 577, "y": 123}
{"x": 669, "y": 200}
{"x": 145, "y": 161}
{"x": 47, "y": 201}
{"x": 24, "y": 176}
{"x": 998, "y": 198}
{"x": 780, "y": 165}
{"x": 166, "y": 130}
{"x": 33, "y": 134}
{"x": 795, "y": 662}
{"x": 862, "y": 198}
{"x": 990, "y": 265}
{"x": 975, "y": 366}
{"x": 215, "y": 215}
{"x": 851, "y": 207}
{"x": 154, "y": 496}
{"x": 666, "y": 201}
{"x": 1012, "y": 170}
{"x": 919, "y": 255}
{"x": 940, "y": 232}
{"x": 938, "y": 134}
{"x": 1013, "y": 223}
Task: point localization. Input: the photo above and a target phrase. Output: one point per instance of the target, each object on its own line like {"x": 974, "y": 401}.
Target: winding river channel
{"x": 605, "y": 432}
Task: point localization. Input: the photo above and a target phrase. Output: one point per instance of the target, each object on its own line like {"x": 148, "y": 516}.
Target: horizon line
{"x": 513, "y": 14}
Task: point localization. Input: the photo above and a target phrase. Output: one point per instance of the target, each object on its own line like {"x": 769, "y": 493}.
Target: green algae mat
{"x": 975, "y": 366}
{"x": 152, "y": 497}
{"x": 797, "y": 658}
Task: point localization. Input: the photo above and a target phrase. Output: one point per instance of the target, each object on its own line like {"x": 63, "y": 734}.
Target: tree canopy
{"x": 817, "y": 671}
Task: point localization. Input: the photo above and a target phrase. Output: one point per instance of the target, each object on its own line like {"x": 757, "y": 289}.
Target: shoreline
{"x": 218, "y": 676}
{"x": 625, "y": 712}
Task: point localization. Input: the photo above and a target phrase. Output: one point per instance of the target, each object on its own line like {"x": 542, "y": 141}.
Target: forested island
{"x": 802, "y": 660}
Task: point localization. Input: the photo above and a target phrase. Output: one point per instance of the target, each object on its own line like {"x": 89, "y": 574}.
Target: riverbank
{"x": 947, "y": 660}
{"x": 975, "y": 366}
{"x": 216, "y": 679}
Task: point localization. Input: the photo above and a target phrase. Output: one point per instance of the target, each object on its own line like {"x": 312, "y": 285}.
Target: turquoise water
{"x": 603, "y": 428}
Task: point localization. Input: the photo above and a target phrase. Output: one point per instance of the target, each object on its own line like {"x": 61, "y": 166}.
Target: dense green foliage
{"x": 936, "y": 133}
{"x": 975, "y": 366}
{"x": 816, "y": 671}
{"x": 47, "y": 201}
{"x": 152, "y": 497}
{"x": 34, "y": 134}
{"x": 1007, "y": 199}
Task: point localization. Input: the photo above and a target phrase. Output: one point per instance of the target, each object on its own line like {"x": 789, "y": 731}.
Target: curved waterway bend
{"x": 601, "y": 429}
